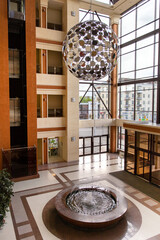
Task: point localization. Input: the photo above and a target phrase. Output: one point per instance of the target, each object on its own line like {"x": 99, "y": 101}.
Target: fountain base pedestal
{"x": 90, "y": 207}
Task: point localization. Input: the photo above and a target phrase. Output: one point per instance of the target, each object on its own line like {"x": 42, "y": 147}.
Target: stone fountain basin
{"x": 101, "y": 220}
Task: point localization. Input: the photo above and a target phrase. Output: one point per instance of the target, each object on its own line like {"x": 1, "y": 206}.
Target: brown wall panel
{"x": 4, "y": 81}
{"x": 31, "y": 73}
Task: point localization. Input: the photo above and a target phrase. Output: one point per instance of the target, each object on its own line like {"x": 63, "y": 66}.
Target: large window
{"x": 16, "y": 9}
{"x": 138, "y": 67}
{"x": 94, "y": 101}
{"x": 15, "y": 112}
{"x": 14, "y": 63}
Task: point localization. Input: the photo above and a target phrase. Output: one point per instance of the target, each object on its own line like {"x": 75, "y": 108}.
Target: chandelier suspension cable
{"x": 85, "y": 15}
{"x": 97, "y": 16}
{"x": 91, "y": 48}
{"x": 91, "y": 9}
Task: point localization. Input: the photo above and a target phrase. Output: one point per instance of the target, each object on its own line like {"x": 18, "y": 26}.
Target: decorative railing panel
{"x": 20, "y": 162}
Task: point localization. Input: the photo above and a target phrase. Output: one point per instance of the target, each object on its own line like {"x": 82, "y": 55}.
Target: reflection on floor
{"x": 24, "y": 221}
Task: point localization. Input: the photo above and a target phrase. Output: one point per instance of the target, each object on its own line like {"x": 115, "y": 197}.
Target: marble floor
{"x": 24, "y": 220}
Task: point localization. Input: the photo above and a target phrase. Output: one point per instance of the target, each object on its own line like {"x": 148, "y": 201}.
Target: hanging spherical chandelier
{"x": 90, "y": 50}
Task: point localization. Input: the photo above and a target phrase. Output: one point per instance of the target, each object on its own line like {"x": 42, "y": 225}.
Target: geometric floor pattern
{"x": 24, "y": 220}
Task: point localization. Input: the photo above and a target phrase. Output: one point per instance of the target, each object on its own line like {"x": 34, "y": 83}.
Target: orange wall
{"x": 31, "y": 73}
{"x": 4, "y": 80}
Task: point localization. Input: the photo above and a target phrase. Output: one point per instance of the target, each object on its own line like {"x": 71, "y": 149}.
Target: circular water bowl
{"x": 90, "y": 207}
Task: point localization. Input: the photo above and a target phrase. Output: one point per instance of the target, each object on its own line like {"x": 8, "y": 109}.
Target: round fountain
{"x": 90, "y": 207}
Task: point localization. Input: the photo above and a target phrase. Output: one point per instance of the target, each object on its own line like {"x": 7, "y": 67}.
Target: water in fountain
{"x": 90, "y": 201}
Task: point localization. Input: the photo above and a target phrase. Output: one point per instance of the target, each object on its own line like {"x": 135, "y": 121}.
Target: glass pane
{"x": 53, "y": 149}
{"x": 125, "y": 77}
{"x": 127, "y": 102}
{"x": 145, "y": 73}
{"x": 80, "y": 142}
{"x": 144, "y": 57}
{"x": 87, "y": 142}
{"x": 130, "y": 160}
{"x": 15, "y": 112}
{"x": 155, "y": 176}
{"x": 103, "y": 140}
{"x": 130, "y": 154}
{"x": 145, "y": 13}
{"x": 131, "y": 138}
{"x": 126, "y": 28}
{"x": 100, "y": 131}
{"x": 128, "y": 62}
{"x": 145, "y": 29}
{"x": 80, "y": 152}
{"x": 128, "y": 48}
{"x": 14, "y": 64}
{"x": 87, "y": 151}
{"x": 85, "y": 132}
{"x": 145, "y": 42}
{"x": 96, "y": 149}
{"x": 103, "y": 148}
{"x": 144, "y": 102}
{"x": 96, "y": 141}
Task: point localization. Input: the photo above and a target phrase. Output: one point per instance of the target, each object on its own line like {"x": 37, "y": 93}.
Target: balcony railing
{"x": 55, "y": 112}
{"x": 38, "y": 68}
{"x": 54, "y": 26}
{"x": 20, "y": 162}
{"x": 55, "y": 70}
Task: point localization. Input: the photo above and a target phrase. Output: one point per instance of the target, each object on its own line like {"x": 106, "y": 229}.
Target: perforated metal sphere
{"x": 90, "y": 50}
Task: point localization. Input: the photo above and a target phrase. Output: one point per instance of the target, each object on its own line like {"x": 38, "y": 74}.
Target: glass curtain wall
{"x": 138, "y": 65}
{"x": 94, "y": 96}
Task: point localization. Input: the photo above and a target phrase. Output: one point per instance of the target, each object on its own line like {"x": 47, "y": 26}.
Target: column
{"x": 113, "y": 131}
{"x": 71, "y": 148}
{"x": 31, "y": 73}
{"x": 43, "y": 13}
{"x": 4, "y": 76}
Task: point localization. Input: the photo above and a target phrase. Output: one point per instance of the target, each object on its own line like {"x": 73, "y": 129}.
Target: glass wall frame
{"x": 138, "y": 65}
{"x": 142, "y": 155}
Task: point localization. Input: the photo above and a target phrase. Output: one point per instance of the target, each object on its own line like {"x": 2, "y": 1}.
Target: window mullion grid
{"x": 158, "y": 81}
{"x": 135, "y": 66}
{"x": 154, "y": 51}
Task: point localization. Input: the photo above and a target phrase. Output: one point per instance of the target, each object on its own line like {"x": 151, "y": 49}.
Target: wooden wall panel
{"x": 31, "y": 73}
{"x": 4, "y": 81}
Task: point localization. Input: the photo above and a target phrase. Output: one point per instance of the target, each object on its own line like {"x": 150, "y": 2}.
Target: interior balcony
{"x": 52, "y": 107}
{"x": 51, "y": 61}
{"x": 50, "y": 80}
{"x": 51, "y": 123}
{"x": 54, "y": 15}
{"x": 49, "y": 34}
